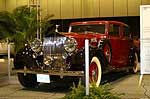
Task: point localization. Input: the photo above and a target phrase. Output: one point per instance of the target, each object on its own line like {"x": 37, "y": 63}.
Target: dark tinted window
{"x": 99, "y": 28}
{"x": 126, "y": 31}
{"x": 114, "y": 30}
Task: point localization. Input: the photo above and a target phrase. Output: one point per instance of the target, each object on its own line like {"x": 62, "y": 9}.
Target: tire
{"x": 135, "y": 63}
{"x": 28, "y": 80}
{"x": 95, "y": 71}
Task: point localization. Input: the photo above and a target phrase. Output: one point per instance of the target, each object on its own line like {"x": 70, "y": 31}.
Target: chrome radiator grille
{"x": 54, "y": 45}
{"x": 54, "y": 52}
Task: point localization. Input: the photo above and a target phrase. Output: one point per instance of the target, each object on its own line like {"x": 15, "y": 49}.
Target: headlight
{"x": 36, "y": 45}
{"x": 70, "y": 44}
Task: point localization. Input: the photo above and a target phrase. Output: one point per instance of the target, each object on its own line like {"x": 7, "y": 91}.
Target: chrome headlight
{"x": 70, "y": 45}
{"x": 36, "y": 45}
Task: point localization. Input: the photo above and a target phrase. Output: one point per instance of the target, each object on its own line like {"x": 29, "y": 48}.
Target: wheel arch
{"x": 100, "y": 55}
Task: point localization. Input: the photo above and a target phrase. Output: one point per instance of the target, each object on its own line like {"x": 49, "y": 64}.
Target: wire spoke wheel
{"x": 95, "y": 71}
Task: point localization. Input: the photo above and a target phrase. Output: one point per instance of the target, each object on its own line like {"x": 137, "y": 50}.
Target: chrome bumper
{"x": 50, "y": 72}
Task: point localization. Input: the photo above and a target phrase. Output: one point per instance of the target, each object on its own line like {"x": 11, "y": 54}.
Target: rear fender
{"x": 132, "y": 56}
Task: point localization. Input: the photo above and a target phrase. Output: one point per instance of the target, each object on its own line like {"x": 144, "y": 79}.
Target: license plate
{"x": 43, "y": 78}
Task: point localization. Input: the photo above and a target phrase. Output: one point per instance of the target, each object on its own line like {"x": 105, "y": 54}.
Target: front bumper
{"x": 50, "y": 72}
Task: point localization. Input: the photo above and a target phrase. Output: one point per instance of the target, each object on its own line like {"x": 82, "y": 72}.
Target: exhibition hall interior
{"x": 74, "y": 49}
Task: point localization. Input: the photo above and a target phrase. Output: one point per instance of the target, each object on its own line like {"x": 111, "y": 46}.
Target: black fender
{"x": 96, "y": 52}
{"x": 102, "y": 58}
{"x": 77, "y": 59}
{"x": 24, "y": 57}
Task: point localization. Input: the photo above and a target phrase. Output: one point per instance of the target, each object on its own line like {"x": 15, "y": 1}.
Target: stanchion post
{"x": 87, "y": 66}
{"x": 8, "y": 48}
{"x": 141, "y": 78}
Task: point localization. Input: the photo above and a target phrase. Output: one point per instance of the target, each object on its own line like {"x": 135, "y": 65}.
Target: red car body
{"x": 120, "y": 44}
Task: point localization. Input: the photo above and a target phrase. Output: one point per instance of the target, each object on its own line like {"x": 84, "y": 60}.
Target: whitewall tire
{"x": 95, "y": 71}
{"x": 136, "y": 64}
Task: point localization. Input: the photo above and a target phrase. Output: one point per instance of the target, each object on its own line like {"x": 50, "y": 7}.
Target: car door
{"x": 114, "y": 37}
{"x": 125, "y": 45}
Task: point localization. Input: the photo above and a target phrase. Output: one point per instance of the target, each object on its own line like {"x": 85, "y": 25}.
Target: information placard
{"x": 145, "y": 38}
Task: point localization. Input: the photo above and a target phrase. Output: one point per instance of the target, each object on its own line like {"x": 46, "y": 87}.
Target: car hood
{"x": 80, "y": 37}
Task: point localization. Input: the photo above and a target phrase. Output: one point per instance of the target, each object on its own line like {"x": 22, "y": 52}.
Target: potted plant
{"x": 101, "y": 92}
{"x": 20, "y": 26}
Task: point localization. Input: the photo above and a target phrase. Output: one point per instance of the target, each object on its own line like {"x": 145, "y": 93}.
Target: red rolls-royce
{"x": 61, "y": 56}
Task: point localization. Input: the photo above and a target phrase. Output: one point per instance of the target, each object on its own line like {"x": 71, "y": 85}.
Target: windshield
{"x": 98, "y": 28}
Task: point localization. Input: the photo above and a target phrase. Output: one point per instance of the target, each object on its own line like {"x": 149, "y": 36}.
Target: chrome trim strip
{"x": 51, "y": 72}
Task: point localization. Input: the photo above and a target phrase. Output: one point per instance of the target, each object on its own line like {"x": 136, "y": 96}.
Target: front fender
{"x": 24, "y": 57}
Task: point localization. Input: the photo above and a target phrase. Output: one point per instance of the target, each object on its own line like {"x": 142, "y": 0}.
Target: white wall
{"x": 67, "y": 9}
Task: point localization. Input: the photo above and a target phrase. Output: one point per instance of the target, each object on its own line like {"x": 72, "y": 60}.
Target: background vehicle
{"x": 61, "y": 55}
{"x": 4, "y": 48}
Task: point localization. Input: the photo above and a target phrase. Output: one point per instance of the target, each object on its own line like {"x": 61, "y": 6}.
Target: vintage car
{"x": 61, "y": 56}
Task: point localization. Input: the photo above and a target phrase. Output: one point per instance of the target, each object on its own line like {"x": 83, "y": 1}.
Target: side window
{"x": 114, "y": 30}
{"x": 126, "y": 31}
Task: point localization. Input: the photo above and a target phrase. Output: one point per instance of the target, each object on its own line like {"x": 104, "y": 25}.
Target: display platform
{"x": 127, "y": 84}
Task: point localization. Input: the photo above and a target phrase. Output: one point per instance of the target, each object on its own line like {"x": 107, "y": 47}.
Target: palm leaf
{"x": 20, "y": 26}
{"x": 7, "y": 25}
